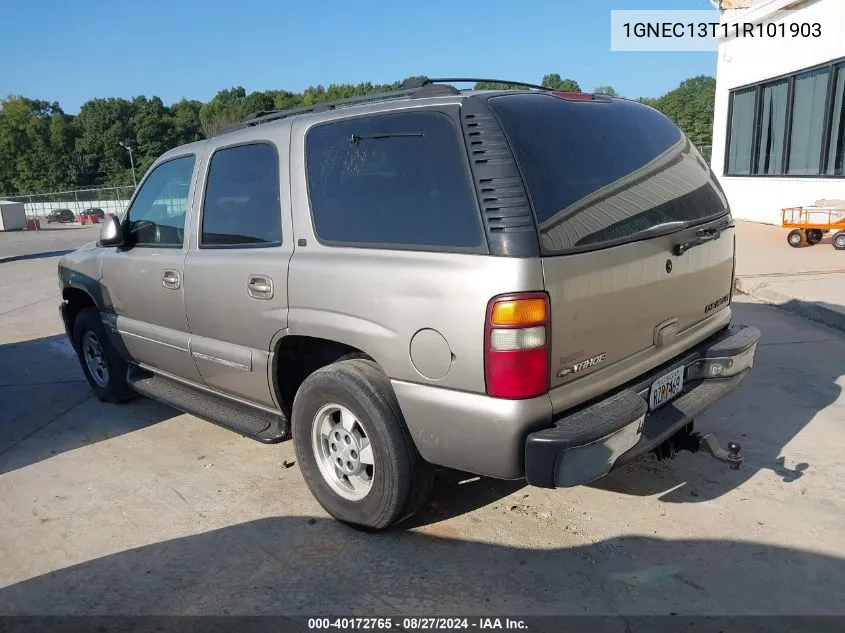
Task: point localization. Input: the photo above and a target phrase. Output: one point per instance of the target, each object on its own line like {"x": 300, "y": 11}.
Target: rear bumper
{"x": 587, "y": 443}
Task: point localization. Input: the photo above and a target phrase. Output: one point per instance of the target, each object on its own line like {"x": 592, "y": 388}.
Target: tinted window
{"x": 836, "y": 152}
{"x": 241, "y": 205}
{"x": 396, "y": 179}
{"x": 157, "y": 215}
{"x": 772, "y": 128}
{"x": 805, "y": 143}
{"x": 600, "y": 172}
{"x": 742, "y": 131}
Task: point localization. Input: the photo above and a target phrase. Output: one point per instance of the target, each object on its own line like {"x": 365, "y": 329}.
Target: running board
{"x": 263, "y": 426}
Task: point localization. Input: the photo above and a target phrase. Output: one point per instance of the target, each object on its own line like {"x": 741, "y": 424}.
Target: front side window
{"x": 157, "y": 215}
{"x": 241, "y": 205}
{"x": 392, "y": 180}
{"x": 805, "y": 142}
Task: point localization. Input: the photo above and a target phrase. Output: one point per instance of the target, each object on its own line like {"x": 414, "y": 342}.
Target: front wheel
{"x": 796, "y": 238}
{"x": 839, "y": 240}
{"x": 101, "y": 364}
{"x": 354, "y": 449}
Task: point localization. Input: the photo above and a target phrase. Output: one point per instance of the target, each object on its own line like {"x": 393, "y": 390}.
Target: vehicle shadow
{"x": 764, "y": 414}
{"x": 455, "y": 493}
{"x": 303, "y": 565}
{"x": 17, "y": 258}
{"x": 48, "y": 407}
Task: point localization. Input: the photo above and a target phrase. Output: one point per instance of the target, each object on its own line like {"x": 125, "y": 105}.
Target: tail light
{"x": 516, "y": 345}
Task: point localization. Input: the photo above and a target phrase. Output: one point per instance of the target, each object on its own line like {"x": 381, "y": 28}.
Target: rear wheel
{"x": 814, "y": 236}
{"x": 354, "y": 449}
{"x": 796, "y": 238}
{"x": 101, "y": 364}
{"x": 839, "y": 240}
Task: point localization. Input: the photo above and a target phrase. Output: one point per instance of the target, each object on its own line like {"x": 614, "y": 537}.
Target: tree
{"x": 103, "y": 125}
{"x": 554, "y": 82}
{"x": 42, "y": 148}
{"x": 185, "y": 115}
{"x": 610, "y": 91}
{"x": 691, "y": 106}
{"x": 36, "y": 140}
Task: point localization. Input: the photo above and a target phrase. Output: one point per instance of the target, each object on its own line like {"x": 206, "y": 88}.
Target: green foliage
{"x": 610, "y": 91}
{"x": 43, "y": 149}
{"x": 691, "y": 107}
{"x": 554, "y": 82}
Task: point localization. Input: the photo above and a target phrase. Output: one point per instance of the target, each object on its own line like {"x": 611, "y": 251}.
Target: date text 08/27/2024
{"x": 416, "y": 624}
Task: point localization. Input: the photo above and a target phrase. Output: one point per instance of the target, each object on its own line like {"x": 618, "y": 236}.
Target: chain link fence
{"x": 111, "y": 200}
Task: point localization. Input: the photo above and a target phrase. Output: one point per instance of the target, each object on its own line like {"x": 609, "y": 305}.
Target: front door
{"x": 143, "y": 280}
{"x": 236, "y": 291}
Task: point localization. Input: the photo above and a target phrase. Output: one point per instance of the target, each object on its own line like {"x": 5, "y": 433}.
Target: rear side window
{"x": 397, "y": 180}
{"x": 600, "y": 172}
{"x": 241, "y": 205}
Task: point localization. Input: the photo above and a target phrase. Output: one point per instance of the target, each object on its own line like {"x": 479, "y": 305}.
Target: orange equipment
{"x": 810, "y": 224}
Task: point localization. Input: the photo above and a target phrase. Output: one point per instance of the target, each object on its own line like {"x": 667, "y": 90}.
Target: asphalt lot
{"x": 137, "y": 509}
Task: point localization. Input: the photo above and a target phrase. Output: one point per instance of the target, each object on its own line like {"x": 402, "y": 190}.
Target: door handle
{"x": 259, "y": 287}
{"x": 170, "y": 279}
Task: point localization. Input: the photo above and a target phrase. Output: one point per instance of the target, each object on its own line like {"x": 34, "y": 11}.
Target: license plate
{"x": 665, "y": 388}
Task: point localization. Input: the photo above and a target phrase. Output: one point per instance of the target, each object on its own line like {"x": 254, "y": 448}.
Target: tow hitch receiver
{"x": 687, "y": 440}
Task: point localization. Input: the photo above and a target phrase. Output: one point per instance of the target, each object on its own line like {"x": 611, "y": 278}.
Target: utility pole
{"x": 131, "y": 161}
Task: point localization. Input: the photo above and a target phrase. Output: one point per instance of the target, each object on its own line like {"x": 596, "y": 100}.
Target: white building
{"x": 779, "y": 124}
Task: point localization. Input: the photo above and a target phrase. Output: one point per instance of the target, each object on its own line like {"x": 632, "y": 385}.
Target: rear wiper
{"x": 356, "y": 138}
{"x": 701, "y": 236}
{"x": 664, "y": 228}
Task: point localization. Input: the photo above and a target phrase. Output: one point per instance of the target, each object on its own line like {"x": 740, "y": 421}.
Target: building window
{"x": 742, "y": 129}
{"x": 792, "y": 126}
{"x": 805, "y": 142}
{"x": 772, "y": 128}
{"x": 836, "y": 151}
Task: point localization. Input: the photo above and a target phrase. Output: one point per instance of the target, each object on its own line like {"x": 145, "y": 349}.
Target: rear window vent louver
{"x": 497, "y": 182}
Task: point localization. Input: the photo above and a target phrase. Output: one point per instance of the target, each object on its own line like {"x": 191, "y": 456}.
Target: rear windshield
{"x": 600, "y": 172}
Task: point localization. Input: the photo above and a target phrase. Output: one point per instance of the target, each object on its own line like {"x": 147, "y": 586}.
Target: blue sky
{"x": 73, "y": 51}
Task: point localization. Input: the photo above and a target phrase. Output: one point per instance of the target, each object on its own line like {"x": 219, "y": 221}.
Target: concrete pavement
{"x": 809, "y": 281}
{"x": 138, "y": 509}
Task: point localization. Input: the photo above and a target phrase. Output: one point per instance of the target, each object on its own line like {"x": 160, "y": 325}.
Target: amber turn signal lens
{"x": 519, "y": 312}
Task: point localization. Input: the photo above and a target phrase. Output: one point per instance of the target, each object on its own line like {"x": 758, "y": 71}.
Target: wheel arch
{"x": 295, "y": 356}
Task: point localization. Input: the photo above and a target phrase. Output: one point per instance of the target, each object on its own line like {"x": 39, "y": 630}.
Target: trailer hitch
{"x": 687, "y": 440}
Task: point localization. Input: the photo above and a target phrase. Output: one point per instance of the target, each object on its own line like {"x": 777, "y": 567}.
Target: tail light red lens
{"x": 516, "y": 345}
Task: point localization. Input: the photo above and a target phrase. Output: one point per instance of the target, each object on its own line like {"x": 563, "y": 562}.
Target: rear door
{"x": 615, "y": 187}
{"x": 236, "y": 272}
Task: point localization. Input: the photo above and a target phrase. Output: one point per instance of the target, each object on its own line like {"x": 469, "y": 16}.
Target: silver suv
{"x": 520, "y": 284}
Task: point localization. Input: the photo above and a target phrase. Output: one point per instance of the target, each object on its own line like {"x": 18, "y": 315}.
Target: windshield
{"x": 600, "y": 173}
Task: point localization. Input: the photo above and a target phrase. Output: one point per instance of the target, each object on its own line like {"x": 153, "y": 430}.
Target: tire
{"x": 839, "y": 240}
{"x": 814, "y": 236}
{"x": 88, "y": 336}
{"x": 394, "y": 483}
{"x": 796, "y": 238}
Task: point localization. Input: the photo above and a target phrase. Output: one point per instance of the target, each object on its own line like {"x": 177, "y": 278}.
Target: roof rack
{"x": 265, "y": 116}
{"x": 450, "y": 80}
{"x": 414, "y": 88}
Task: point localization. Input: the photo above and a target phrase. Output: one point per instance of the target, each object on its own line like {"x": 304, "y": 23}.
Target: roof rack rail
{"x": 419, "y": 83}
{"x": 265, "y": 116}
{"x": 411, "y": 88}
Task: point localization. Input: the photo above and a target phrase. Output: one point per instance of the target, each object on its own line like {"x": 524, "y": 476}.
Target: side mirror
{"x": 111, "y": 233}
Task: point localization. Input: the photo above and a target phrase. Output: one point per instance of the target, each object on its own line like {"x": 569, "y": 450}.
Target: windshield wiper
{"x": 701, "y": 237}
